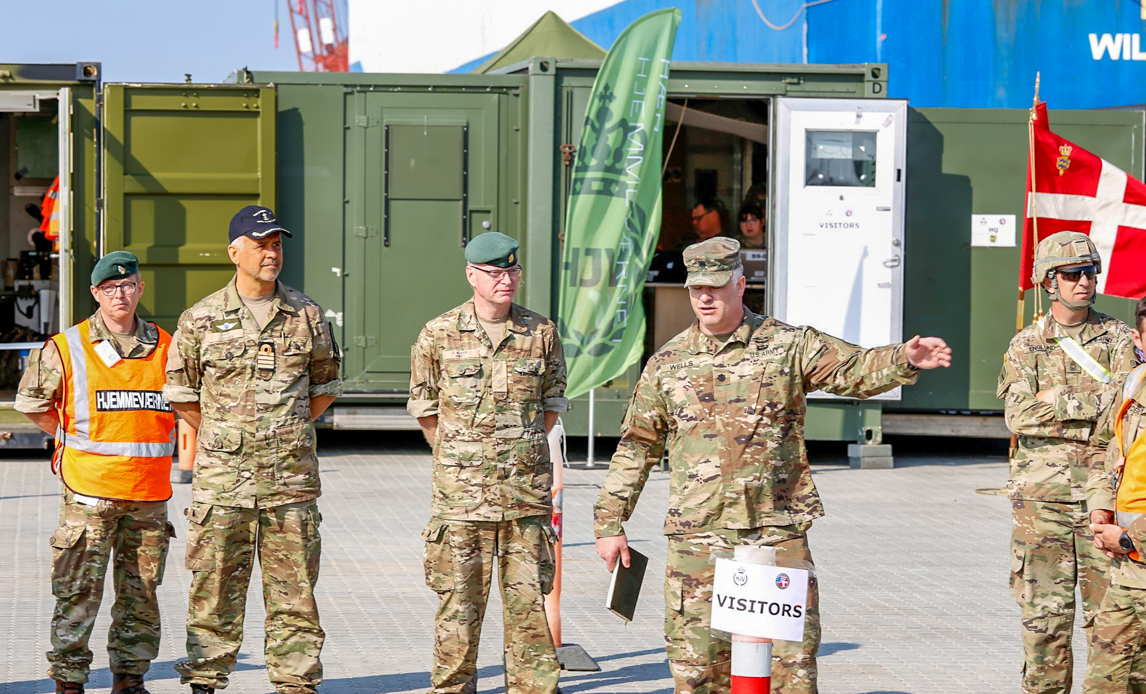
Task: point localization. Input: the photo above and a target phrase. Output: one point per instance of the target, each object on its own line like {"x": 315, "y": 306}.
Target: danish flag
{"x": 1075, "y": 190}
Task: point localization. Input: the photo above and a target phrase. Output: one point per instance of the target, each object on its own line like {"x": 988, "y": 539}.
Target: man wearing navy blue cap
{"x": 253, "y": 365}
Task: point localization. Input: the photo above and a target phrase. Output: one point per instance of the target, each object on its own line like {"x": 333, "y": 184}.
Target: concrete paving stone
{"x": 912, "y": 563}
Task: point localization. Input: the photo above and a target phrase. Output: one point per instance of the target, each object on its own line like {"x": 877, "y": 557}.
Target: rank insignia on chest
{"x": 265, "y": 361}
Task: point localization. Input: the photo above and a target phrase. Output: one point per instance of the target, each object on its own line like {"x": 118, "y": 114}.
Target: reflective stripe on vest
{"x": 1088, "y": 363}
{"x": 118, "y": 432}
{"x": 1130, "y": 490}
{"x": 133, "y": 450}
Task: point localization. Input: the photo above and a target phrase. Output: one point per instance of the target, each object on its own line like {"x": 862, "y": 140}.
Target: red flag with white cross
{"x": 1074, "y": 190}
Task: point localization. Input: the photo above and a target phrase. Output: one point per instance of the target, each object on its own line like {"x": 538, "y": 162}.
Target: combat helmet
{"x": 1059, "y": 250}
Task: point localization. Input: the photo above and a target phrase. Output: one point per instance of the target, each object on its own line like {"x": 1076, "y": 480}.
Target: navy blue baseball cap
{"x": 255, "y": 221}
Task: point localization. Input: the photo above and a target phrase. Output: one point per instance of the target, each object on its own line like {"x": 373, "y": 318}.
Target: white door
{"x": 838, "y": 239}
{"x": 65, "y": 202}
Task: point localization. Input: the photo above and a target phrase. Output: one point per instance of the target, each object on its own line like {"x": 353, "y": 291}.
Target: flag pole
{"x": 1014, "y": 447}
{"x": 1034, "y": 200}
{"x": 1034, "y": 211}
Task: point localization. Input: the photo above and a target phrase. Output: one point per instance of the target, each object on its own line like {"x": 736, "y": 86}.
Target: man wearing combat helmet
{"x": 1059, "y": 374}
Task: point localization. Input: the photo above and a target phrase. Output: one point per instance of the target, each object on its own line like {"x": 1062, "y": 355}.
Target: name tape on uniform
{"x": 758, "y": 600}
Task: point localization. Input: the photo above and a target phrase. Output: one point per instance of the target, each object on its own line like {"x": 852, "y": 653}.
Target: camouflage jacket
{"x": 1102, "y": 486}
{"x": 1054, "y": 452}
{"x": 491, "y": 458}
{"x": 256, "y": 446}
{"x": 732, "y": 419}
{"x": 41, "y": 387}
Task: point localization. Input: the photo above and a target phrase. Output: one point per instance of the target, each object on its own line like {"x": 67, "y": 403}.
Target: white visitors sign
{"x": 759, "y": 600}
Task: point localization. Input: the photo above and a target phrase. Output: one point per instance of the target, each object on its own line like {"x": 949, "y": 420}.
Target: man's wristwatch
{"x": 1125, "y": 542}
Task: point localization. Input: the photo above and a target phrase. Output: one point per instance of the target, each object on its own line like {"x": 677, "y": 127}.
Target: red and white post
{"x": 751, "y": 655}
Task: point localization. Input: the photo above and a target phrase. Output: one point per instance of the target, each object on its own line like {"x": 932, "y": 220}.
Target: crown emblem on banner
{"x": 1063, "y": 162}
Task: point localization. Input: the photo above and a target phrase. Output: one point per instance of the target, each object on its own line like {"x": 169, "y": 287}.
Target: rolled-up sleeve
{"x": 553, "y": 387}
{"x": 424, "y": 376}
{"x": 183, "y": 366}
{"x": 325, "y": 361}
{"x": 41, "y": 386}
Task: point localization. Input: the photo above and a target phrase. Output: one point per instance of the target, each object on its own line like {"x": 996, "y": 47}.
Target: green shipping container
{"x": 384, "y": 178}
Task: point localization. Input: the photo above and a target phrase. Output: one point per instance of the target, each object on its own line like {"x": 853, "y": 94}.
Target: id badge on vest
{"x": 107, "y": 354}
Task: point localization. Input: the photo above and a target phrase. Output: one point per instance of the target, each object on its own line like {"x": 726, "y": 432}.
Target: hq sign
{"x": 768, "y": 602}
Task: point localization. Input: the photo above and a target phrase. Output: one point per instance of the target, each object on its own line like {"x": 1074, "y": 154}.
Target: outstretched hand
{"x": 927, "y": 352}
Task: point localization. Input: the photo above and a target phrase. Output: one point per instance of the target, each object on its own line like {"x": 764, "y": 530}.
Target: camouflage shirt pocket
{"x": 218, "y": 446}
{"x": 295, "y": 359}
{"x": 458, "y": 474}
{"x": 438, "y": 557}
{"x": 525, "y": 379}
{"x": 296, "y": 464}
{"x": 464, "y": 381}
{"x": 223, "y": 358}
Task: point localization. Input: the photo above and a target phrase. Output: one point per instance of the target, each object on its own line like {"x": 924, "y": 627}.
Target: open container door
{"x": 66, "y": 257}
{"x": 839, "y": 205}
{"x": 178, "y": 162}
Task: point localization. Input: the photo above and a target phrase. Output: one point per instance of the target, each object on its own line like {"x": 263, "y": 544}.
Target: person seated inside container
{"x": 751, "y": 236}
{"x": 707, "y": 223}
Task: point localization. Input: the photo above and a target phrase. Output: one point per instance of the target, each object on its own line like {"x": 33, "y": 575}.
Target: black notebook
{"x": 625, "y": 587}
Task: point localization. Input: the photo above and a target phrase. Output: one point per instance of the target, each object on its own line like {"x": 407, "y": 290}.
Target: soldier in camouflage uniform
{"x": 254, "y": 365}
{"x": 726, "y": 398}
{"x": 1120, "y": 625}
{"x": 487, "y": 382}
{"x": 1056, "y": 380}
{"x": 94, "y": 528}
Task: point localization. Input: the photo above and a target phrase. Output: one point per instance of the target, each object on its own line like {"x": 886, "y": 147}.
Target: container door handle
{"x": 893, "y": 261}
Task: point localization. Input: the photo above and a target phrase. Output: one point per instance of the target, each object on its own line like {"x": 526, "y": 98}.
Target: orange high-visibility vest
{"x": 50, "y": 210}
{"x": 1130, "y": 502}
{"x": 116, "y": 428}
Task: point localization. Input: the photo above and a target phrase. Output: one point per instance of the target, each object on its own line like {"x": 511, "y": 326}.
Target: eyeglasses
{"x": 128, "y": 288}
{"x": 498, "y": 275}
{"x": 697, "y": 217}
{"x": 1076, "y": 274}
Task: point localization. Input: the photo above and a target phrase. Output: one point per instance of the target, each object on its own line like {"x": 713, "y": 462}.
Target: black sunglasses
{"x": 1077, "y": 273}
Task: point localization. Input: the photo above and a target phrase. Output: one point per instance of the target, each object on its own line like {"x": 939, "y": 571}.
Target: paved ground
{"x": 912, "y": 561}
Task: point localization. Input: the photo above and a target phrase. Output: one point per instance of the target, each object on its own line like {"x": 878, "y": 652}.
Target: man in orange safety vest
{"x": 97, "y": 387}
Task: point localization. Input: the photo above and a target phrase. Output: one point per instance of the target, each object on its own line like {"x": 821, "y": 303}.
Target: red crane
{"x": 320, "y": 38}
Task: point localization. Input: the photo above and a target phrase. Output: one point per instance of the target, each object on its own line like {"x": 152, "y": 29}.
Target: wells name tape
{"x": 758, "y": 600}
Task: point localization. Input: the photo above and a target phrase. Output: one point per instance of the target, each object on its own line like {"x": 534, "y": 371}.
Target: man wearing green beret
{"x": 487, "y": 383}
{"x": 97, "y": 388}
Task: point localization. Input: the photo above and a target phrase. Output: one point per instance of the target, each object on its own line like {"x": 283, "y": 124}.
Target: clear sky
{"x": 149, "y": 40}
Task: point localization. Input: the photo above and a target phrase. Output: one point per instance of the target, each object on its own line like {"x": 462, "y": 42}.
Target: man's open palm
{"x": 928, "y": 352}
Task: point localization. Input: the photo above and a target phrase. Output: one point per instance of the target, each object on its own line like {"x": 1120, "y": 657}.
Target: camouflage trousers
{"x": 222, "y": 542}
{"x": 1052, "y": 551}
{"x": 701, "y": 663}
{"x": 1117, "y": 642}
{"x": 459, "y": 558}
{"x": 135, "y": 537}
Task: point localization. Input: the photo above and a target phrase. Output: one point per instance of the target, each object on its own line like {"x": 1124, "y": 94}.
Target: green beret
{"x": 114, "y": 266}
{"x": 711, "y": 263}
{"x": 492, "y": 248}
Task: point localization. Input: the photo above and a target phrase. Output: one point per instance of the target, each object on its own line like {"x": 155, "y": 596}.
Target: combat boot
{"x": 69, "y": 687}
{"x": 127, "y": 684}
{"x": 202, "y": 689}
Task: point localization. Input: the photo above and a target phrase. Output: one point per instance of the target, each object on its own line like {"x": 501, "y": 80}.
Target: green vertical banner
{"x": 614, "y": 214}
